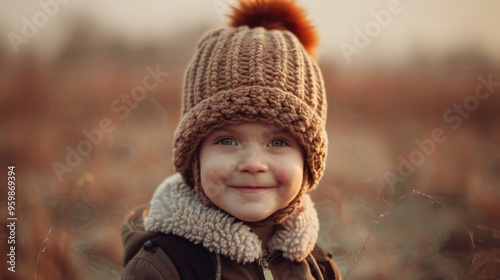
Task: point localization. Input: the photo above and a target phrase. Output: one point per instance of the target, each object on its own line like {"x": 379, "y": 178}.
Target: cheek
{"x": 282, "y": 175}
{"x": 291, "y": 176}
{"x": 213, "y": 178}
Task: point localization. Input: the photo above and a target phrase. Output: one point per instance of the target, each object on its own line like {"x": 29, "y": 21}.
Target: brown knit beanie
{"x": 257, "y": 69}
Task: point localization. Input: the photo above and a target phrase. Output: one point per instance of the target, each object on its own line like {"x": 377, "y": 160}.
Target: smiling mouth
{"x": 250, "y": 189}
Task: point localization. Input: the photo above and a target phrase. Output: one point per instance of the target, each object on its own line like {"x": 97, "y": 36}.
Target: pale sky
{"x": 435, "y": 26}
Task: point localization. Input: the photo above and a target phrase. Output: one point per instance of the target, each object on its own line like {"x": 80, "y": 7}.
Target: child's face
{"x": 249, "y": 170}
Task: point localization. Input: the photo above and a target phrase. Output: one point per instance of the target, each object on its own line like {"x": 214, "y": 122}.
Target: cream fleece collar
{"x": 177, "y": 209}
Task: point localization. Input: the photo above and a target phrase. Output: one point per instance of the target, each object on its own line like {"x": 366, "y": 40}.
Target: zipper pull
{"x": 264, "y": 266}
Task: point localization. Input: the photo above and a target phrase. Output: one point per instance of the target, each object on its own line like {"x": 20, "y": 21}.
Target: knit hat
{"x": 257, "y": 69}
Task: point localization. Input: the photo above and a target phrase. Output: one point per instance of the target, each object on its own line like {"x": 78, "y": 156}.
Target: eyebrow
{"x": 281, "y": 133}
{"x": 224, "y": 130}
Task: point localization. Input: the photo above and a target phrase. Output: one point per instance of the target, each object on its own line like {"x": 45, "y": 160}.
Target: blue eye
{"x": 277, "y": 143}
{"x": 227, "y": 142}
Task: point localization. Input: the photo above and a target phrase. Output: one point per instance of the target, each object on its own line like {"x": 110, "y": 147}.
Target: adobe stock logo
{"x": 223, "y": 8}
{"x": 454, "y": 117}
{"x": 49, "y": 9}
{"x": 373, "y": 28}
{"x": 121, "y": 106}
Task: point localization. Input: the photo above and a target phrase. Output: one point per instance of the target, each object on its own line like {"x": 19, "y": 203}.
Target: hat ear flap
{"x": 194, "y": 180}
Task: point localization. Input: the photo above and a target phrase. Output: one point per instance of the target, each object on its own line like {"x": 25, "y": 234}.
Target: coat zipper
{"x": 264, "y": 266}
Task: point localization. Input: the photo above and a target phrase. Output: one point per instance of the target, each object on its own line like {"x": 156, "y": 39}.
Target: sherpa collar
{"x": 175, "y": 208}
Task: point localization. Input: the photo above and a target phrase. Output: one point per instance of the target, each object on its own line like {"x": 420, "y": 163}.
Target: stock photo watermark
{"x": 11, "y": 218}
{"x": 363, "y": 36}
{"x": 454, "y": 117}
{"x": 31, "y": 26}
{"x": 121, "y": 106}
{"x": 223, "y": 8}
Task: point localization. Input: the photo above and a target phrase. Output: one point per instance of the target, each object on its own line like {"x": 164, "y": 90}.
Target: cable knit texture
{"x": 177, "y": 209}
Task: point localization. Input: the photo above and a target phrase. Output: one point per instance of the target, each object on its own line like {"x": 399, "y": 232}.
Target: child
{"x": 250, "y": 144}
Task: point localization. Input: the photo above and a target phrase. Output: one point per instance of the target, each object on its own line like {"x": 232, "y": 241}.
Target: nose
{"x": 252, "y": 160}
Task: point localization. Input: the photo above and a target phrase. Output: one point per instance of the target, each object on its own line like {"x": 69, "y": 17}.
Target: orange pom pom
{"x": 276, "y": 14}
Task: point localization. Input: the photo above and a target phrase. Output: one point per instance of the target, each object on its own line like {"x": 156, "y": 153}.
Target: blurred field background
{"x": 439, "y": 221}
